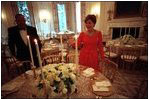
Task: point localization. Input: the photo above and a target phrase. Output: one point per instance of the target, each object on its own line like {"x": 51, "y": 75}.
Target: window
{"x": 62, "y": 17}
{"x": 23, "y": 9}
{"x": 118, "y": 32}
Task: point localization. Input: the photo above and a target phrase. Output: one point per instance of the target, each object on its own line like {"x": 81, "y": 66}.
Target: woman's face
{"x": 89, "y": 25}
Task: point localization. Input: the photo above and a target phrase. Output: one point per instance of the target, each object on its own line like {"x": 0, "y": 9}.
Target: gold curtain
{"x": 8, "y": 11}
{"x": 30, "y": 8}
{"x": 49, "y": 26}
{"x": 83, "y": 14}
{"x": 55, "y": 18}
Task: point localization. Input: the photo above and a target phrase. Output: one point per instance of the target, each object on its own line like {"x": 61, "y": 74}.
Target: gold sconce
{"x": 44, "y": 15}
{"x": 95, "y": 10}
{"x": 110, "y": 12}
{"x": 3, "y": 16}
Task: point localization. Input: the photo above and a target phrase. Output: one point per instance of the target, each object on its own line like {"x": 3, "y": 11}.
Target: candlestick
{"x": 30, "y": 49}
{"x": 76, "y": 49}
{"x": 39, "y": 58}
{"x": 62, "y": 48}
{"x": 34, "y": 72}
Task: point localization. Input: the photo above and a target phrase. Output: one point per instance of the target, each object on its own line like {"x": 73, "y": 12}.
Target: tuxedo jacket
{"x": 17, "y": 46}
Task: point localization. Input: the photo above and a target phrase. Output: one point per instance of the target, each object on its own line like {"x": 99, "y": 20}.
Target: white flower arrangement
{"x": 125, "y": 40}
{"x": 61, "y": 78}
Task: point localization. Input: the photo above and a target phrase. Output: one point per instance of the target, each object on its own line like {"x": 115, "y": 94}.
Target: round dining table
{"x": 25, "y": 87}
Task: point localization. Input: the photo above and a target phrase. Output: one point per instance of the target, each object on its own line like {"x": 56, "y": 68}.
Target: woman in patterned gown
{"x": 90, "y": 42}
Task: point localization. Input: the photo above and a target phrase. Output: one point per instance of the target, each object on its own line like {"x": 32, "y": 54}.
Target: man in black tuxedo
{"x": 17, "y": 40}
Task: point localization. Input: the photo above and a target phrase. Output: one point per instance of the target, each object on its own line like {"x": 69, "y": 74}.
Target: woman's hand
{"x": 71, "y": 40}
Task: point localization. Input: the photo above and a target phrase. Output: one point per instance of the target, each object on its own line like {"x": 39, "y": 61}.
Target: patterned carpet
{"x": 129, "y": 84}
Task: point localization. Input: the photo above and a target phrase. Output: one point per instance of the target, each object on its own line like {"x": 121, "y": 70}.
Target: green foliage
{"x": 40, "y": 86}
{"x": 23, "y": 9}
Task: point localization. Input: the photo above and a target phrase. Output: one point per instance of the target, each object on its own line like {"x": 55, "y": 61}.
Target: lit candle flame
{"x": 76, "y": 36}
{"x": 35, "y": 41}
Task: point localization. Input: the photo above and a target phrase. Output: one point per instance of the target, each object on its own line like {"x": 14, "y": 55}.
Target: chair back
{"x": 15, "y": 66}
{"x": 110, "y": 52}
{"x": 51, "y": 59}
{"x": 129, "y": 57}
{"x": 109, "y": 69}
{"x": 71, "y": 57}
{"x": 130, "y": 54}
{"x": 10, "y": 62}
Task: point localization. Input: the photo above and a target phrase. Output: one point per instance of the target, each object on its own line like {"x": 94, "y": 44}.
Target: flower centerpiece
{"x": 59, "y": 79}
{"x": 125, "y": 40}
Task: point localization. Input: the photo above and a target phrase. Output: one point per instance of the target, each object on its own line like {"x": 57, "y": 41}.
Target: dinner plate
{"x": 12, "y": 86}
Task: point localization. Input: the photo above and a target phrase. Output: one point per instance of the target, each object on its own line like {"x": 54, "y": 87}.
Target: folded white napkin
{"x": 128, "y": 46}
{"x": 29, "y": 72}
{"x": 88, "y": 72}
{"x": 101, "y": 88}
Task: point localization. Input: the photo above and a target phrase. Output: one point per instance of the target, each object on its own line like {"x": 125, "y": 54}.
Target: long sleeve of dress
{"x": 100, "y": 46}
{"x": 80, "y": 40}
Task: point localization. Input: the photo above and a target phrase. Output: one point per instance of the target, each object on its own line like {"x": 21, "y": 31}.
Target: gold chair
{"x": 144, "y": 59}
{"x": 109, "y": 69}
{"x": 70, "y": 58}
{"x": 129, "y": 57}
{"x": 110, "y": 52}
{"x": 14, "y": 66}
{"x": 51, "y": 59}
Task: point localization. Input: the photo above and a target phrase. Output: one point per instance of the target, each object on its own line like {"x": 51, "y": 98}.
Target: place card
{"x": 128, "y": 46}
{"x": 103, "y": 83}
{"x": 88, "y": 75}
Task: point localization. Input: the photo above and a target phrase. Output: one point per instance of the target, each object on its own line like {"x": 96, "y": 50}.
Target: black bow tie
{"x": 20, "y": 28}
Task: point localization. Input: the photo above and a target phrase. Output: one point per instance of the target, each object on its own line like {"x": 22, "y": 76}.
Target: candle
{"x": 76, "y": 49}
{"x": 61, "y": 48}
{"x": 30, "y": 49}
{"x": 39, "y": 58}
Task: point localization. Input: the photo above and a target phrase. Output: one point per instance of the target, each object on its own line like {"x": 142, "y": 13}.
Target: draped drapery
{"x": 9, "y": 9}
{"x": 50, "y": 27}
{"x": 55, "y": 18}
{"x": 70, "y": 15}
{"x": 71, "y": 20}
{"x": 30, "y": 8}
{"x": 44, "y": 27}
{"x": 83, "y": 14}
